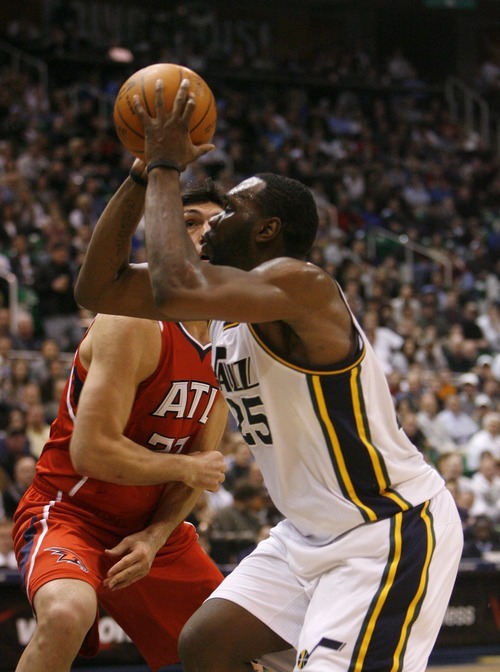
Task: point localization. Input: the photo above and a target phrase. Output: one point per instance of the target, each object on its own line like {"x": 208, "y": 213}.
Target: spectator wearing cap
{"x": 484, "y": 405}
{"x": 458, "y": 424}
{"x": 486, "y": 439}
{"x": 484, "y": 369}
{"x": 468, "y": 384}
{"x": 483, "y": 365}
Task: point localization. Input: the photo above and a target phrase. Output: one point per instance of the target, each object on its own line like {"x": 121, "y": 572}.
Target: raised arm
{"x": 108, "y": 282}
{"x": 252, "y": 276}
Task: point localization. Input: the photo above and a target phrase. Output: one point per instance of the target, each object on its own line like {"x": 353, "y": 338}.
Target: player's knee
{"x": 65, "y": 615}
{"x": 66, "y": 619}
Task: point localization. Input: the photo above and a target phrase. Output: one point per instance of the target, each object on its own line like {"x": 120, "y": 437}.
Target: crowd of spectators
{"x": 390, "y": 171}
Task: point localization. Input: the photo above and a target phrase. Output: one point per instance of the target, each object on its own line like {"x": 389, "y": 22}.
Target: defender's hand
{"x": 137, "y": 553}
{"x": 205, "y": 470}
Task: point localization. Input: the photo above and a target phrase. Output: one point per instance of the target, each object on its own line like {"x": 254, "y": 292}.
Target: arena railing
{"x": 410, "y": 249}
{"x": 19, "y": 58}
{"x": 469, "y": 108}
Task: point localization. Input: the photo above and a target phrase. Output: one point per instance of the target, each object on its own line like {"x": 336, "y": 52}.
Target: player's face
{"x": 228, "y": 241}
{"x": 196, "y": 217}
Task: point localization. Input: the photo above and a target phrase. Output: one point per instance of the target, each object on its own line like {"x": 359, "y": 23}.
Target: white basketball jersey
{"x": 327, "y": 442}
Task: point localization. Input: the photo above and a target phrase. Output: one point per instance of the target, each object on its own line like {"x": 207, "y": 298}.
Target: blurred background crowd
{"x": 409, "y": 204}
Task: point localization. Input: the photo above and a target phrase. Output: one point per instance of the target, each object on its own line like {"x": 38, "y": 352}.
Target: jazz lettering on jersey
{"x": 247, "y": 409}
{"x": 186, "y": 399}
{"x": 233, "y": 376}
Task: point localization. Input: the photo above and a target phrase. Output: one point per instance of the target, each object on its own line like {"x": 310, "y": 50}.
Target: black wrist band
{"x": 163, "y": 163}
{"x": 137, "y": 178}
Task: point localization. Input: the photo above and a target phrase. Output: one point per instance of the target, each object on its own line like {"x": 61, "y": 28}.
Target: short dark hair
{"x": 244, "y": 491}
{"x": 208, "y": 193}
{"x": 293, "y": 203}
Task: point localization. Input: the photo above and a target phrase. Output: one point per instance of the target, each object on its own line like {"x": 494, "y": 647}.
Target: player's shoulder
{"x": 298, "y": 277}
{"x": 286, "y": 267}
{"x": 122, "y": 328}
{"x": 113, "y": 338}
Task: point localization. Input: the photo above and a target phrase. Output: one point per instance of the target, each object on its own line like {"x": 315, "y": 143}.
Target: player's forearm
{"x": 108, "y": 254}
{"x": 172, "y": 258}
{"x": 176, "y": 504}
{"x": 124, "y": 462}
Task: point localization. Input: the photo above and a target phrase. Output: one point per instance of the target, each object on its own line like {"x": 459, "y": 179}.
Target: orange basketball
{"x": 142, "y": 83}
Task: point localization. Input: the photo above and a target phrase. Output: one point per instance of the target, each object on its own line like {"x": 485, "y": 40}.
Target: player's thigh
{"x": 60, "y": 547}
{"x": 380, "y": 603}
{"x": 223, "y": 630}
{"x": 265, "y": 585}
{"x": 258, "y": 608}
{"x": 153, "y": 611}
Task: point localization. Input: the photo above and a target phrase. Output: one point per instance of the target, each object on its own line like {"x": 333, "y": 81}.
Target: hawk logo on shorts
{"x": 65, "y": 555}
{"x": 327, "y": 643}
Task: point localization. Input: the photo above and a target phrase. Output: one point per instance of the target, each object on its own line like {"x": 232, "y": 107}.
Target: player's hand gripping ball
{"x": 142, "y": 83}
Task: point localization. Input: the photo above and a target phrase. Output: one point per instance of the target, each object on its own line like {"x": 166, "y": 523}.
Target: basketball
{"x": 128, "y": 125}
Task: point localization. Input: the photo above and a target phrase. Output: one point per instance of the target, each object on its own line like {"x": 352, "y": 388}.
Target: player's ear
{"x": 269, "y": 228}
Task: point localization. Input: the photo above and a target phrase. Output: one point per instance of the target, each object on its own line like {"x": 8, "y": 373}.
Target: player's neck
{"x": 198, "y": 330}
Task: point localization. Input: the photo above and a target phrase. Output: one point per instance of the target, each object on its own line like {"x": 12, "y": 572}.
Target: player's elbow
{"x": 83, "y": 457}
{"x": 80, "y": 462}
{"x": 170, "y": 294}
{"x": 85, "y": 296}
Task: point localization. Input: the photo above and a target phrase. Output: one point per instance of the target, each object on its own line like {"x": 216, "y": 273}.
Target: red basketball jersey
{"x": 170, "y": 409}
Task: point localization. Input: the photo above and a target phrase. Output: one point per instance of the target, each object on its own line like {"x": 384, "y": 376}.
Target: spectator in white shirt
{"x": 486, "y": 439}
{"x": 430, "y": 425}
{"x": 485, "y": 484}
{"x": 384, "y": 341}
{"x": 458, "y": 424}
